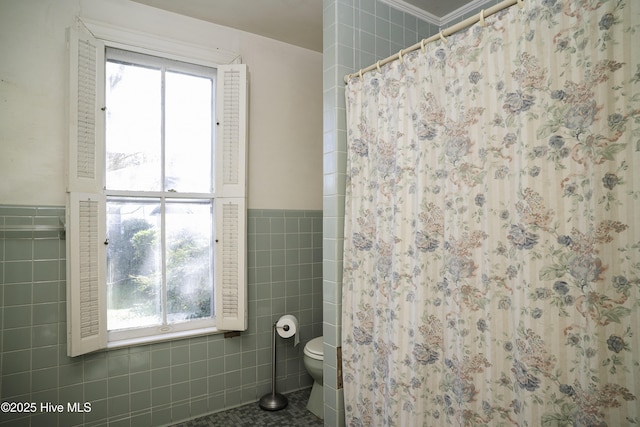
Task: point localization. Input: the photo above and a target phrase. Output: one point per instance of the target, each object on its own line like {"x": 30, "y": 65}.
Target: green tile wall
{"x": 157, "y": 384}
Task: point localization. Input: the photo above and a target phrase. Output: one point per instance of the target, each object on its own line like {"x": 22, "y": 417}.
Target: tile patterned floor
{"x": 294, "y": 415}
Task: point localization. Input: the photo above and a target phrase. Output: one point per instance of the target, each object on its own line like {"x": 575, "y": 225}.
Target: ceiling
{"x": 297, "y": 22}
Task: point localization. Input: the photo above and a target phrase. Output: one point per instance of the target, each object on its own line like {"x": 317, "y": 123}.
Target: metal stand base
{"x": 273, "y": 402}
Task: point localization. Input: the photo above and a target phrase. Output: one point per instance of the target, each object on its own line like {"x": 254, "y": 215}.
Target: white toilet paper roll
{"x": 287, "y": 327}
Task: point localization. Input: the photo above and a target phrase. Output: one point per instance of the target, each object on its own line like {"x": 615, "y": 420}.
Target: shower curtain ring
{"x": 378, "y": 66}
{"x": 400, "y": 56}
{"x": 442, "y": 37}
{"x": 482, "y": 18}
{"x": 360, "y": 75}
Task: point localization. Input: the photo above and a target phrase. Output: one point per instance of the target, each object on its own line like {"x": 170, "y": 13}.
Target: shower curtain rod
{"x": 440, "y": 36}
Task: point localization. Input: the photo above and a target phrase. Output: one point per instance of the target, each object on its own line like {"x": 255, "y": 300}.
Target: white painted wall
{"x": 285, "y": 123}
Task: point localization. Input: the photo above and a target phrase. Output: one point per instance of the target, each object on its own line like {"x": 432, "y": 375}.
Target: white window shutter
{"x": 86, "y": 203}
{"x": 230, "y": 265}
{"x": 231, "y": 209}
{"x": 231, "y": 131}
{"x": 86, "y": 275}
{"x": 86, "y": 111}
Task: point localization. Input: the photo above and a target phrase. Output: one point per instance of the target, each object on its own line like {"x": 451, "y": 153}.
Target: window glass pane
{"x": 188, "y": 133}
{"x": 133, "y": 127}
{"x": 189, "y": 256}
{"x": 134, "y": 264}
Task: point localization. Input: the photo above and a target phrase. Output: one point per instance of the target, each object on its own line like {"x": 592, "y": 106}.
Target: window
{"x": 160, "y": 194}
{"x": 156, "y": 195}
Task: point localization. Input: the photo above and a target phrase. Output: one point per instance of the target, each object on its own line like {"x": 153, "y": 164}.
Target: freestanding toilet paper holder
{"x": 274, "y": 401}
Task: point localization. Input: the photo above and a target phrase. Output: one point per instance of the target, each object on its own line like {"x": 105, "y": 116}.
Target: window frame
{"x": 86, "y": 189}
{"x": 164, "y": 196}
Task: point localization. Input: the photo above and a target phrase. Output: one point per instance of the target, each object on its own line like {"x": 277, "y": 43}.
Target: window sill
{"x": 169, "y": 336}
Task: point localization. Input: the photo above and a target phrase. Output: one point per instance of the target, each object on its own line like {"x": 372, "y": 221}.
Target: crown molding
{"x": 431, "y": 18}
{"x": 413, "y": 10}
{"x": 461, "y": 11}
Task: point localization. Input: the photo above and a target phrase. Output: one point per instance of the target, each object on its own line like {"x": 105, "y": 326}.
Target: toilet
{"x": 313, "y": 356}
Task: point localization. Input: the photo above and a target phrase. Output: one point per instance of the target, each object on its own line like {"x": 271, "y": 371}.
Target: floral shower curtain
{"x": 492, "y": 225}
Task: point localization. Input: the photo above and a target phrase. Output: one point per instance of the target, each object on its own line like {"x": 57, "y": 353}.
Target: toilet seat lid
{"x": 314, "y": 348}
